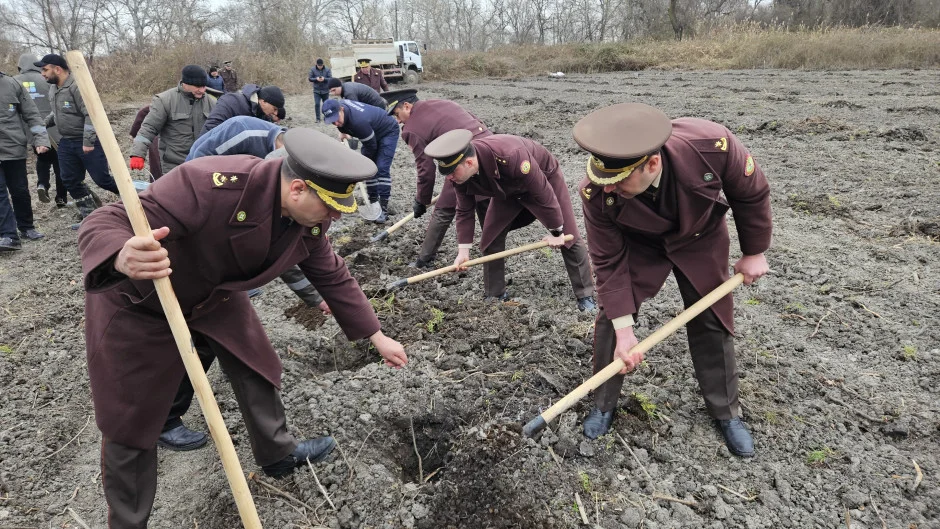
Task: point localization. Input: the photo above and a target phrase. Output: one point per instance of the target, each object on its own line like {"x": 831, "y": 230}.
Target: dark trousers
{"x": 129, "y": 475}
{"x": 16, "y": 207}
{"x": 380, "y": 185}
{"x": 712, "y": 348}
{"x": 318, "y": 99}
{"x": 73, "y": 162}
{"x": 440, "y": 221}
{"x": 577, "y": 265}
{"x": 46, "y": 163}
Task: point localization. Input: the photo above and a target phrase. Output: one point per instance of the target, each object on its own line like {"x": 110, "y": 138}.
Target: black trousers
{"x": 713, "y": 359}
{"x": 46, "y": 163}
{"x": 16, "y": 207}
{"x": 129, "y": 474}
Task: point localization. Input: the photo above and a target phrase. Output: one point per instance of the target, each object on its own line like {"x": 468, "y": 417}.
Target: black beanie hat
{"x": 273, "y": 95}
{"x": 334, "y": 83}
{"x": 194, "y": 75}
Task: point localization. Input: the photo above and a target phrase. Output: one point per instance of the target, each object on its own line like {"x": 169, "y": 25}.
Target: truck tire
{"x": 411, "y": 77}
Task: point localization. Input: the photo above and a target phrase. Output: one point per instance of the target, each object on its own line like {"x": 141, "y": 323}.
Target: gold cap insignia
{"x": 241, "y": 216}
{"x": 525, "y": 167}
{"x": 708, "y": 177}
{"x": 218, "y": 179}
{"x": 749, "y": 166}
{"x": 610, "y": 201}
{"x": 315, "y": 231}
{"x": 722, "y": 144}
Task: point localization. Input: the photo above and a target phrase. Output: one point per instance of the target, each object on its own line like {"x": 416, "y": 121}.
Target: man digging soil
{"x": 654, "y": 200}
{"x": 229, "y": 224}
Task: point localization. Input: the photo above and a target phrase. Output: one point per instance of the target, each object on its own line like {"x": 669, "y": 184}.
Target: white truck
{"x": 398, "y": 59}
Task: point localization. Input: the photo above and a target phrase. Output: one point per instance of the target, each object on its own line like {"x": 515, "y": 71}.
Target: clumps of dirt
{"x": 827, "y": 205}
{"x": 927, "y": 228}
{"x": 841, "y": 103}
{"x": 916, "y": 110}
{"x": 904, "y": 134}
{"x": 311, "y": 318}
{"x": 478, "y": 491}
{"x": 809, "y": 126}
{"x": 346, "y": 245}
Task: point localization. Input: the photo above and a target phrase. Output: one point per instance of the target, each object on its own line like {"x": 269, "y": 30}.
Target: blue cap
{"x": 330, "y": 110}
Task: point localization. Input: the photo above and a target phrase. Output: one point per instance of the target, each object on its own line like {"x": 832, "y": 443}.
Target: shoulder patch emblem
{"x": 525, "y": 167}
{"x": 610, "y": 201}
{"x": 315, "y": 231}
{"x": 749, "y": 166}
{"x": 219, "y": 179}
{"x": 722, "y": 144}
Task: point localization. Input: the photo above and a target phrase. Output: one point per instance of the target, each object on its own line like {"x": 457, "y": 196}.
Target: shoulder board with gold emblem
{"x": 588, "y": 190}
{"x": 711, "y": 144}
{"x": 219, "y": 180}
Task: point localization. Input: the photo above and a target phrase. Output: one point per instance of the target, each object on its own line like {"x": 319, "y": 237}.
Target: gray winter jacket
{"x": 363, "y": 93}
{"x": 18, "y": 115}
{"x": 37, "y": 88}
{"x": 69, "y": 113}
{"x": 178, "y": 118}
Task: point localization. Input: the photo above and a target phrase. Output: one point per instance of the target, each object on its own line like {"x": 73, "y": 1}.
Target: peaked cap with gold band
{"x": 327, "y": 166}
{"x": 397, "y": 97}
{"x": 363, "y": 63}
{"x": 620, "y": 138}
{"x": 449, "y": 149}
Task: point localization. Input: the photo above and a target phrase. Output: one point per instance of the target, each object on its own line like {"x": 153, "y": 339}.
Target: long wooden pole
{"x": 537, "y": 424}
{"x": 474, "y": 262}
{"x": 171, "y": 306}
{"x": 394, "y": 227}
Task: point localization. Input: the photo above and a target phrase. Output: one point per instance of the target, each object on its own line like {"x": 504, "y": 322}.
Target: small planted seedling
{"x": 437, "y": 317}
{"x": 819, "y": 457}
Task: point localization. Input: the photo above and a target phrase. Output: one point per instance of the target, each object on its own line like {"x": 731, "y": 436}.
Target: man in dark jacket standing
{"x": 356, "y": 92}
{"x": 526, "y": 183}
{"x": 261, "y": 102}
{"x": 229, "y": 77}
{"x": 320, "y": 76}
{"x": 370, "y": 76}
{"x": 176, "y": 115}
{"x": 19, "y": 117}
{"x": 655, "y": 200}
{"x": 229, "y": 224}
{"x": 215, "y": 81}
{"x": 79, "y": 148}
{"x": 378, "y": 133}
{"x": 46, "y": 162}
{"x": 421, "y": 123}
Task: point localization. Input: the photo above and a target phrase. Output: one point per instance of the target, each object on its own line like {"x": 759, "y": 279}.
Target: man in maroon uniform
{"x": 655, "y": 199}
{"x": 229, "y": 223}
{"x": 421, "y": 123}
{"x": 370, "y": 76}
{"x": 525, "y": 183}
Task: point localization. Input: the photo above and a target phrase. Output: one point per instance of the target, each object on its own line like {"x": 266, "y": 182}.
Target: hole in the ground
{"x": 311, "y": 318}
{"x": 432, "y": 437}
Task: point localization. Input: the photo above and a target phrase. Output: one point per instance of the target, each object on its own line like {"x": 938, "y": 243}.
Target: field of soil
{"x": 838, "y": 346}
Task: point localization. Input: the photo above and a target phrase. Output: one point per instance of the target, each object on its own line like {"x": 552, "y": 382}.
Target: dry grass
{"x": 737, "y": 47}
{"x": 123, "y": 78}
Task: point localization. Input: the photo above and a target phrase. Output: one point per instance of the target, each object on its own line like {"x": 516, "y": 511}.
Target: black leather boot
{"x": 598, "y": 423}
{"x": 315, "y": 450}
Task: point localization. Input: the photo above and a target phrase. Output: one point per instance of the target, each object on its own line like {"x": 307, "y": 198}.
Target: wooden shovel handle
{"x": 394, "y": 227}
{"x": 474, "y": 262}
{"x": 536, "y": 424}
{"x": 138, "y": 219}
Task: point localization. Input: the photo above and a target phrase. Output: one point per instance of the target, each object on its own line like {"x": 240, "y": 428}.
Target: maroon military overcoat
{"x": 522, "y": 177}
{"x": 633, "y": 248}
{"x": 374, "y": 78}
{"x": 429, "y": 119}
{"x": 220, "y": 211}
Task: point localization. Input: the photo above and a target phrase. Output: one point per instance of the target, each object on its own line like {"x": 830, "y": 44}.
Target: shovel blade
{"x": 370, "y": 212}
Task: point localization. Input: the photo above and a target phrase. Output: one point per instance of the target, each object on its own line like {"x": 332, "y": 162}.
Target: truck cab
{"x": 410, "y": 60}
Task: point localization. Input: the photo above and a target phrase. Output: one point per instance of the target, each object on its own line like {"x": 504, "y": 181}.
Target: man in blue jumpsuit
{"x": 378, "y": 133}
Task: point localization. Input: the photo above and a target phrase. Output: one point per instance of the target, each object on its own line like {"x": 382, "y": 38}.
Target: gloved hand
{"x": 419, "y": 209}
{"x": 137, "y": 163}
